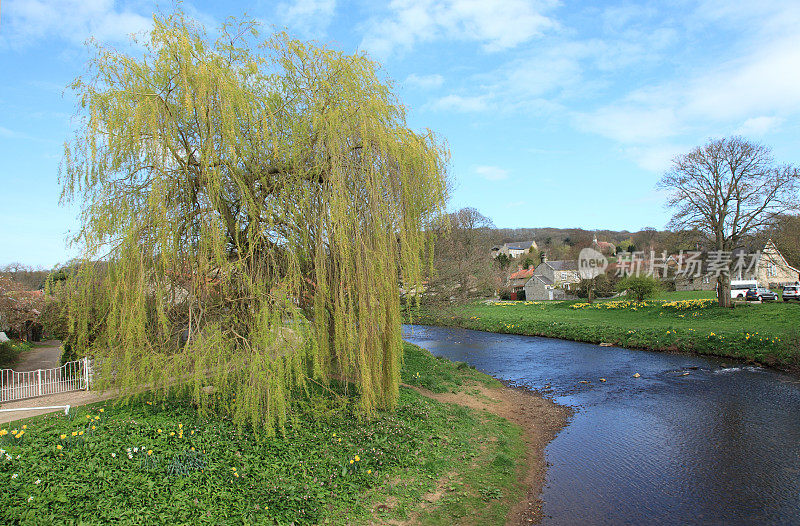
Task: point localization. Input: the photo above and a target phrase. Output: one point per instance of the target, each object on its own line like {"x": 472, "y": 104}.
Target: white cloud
{"x": 424, "y": 81}
{"x": 461, "y": 104}
{"x": 492, "y": 173}
{"x": 12, "y": 134}
{"x": 758, "y": 126}
{"x": 496, "y": 25}
{"x": 310, "y": 17}
{"x": 631, "y": 123}
{"x": 752, "y": 92}
{"x": 655, "y": 157}
{"x": 26, "y": 21}
{"x": 8, "y": 134}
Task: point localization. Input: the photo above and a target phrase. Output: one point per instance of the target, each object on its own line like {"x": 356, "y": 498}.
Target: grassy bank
{"x": 157, "y": 462}
{"x": 764, "y": 333}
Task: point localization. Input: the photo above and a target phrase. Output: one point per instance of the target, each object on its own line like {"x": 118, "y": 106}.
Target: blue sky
{"x": 556, "y": 113}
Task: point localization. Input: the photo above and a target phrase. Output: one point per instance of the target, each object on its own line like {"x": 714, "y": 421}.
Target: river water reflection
{"x": 719, "y": 445}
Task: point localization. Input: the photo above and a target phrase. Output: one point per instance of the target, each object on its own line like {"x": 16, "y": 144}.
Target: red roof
{"x": 524, "y": 273}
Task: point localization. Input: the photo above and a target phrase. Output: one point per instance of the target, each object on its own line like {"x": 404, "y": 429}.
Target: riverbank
{"x": 460, "y": 448}
{"x": 539, "y": 420}
{"x": 761, "y": 333}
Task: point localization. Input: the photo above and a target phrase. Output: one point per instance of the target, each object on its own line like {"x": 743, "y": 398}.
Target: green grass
{"x": 685, "y": 295}
{"x": 765, "y": 333}
{"x": 331, "y": 466}
{"x": 10, "y": 351}
{"x": 422, "y": 369}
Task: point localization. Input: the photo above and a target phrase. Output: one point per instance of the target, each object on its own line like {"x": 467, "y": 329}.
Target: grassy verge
{"x": 764, "y": 333}
{"x": 158, "y": 462}
{"x": 10, "y": 351}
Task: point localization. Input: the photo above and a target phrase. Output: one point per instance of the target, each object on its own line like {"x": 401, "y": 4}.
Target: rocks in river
{"x": 584, "y": 382}
{"x": 602, "y": 379}
{"x": 637, "y": 375}
{"x": 685, "y": 374}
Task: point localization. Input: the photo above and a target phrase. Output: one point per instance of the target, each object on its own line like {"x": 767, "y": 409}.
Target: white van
{"x": 739, "y": 287}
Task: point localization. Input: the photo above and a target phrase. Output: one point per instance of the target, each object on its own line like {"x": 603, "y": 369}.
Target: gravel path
{"x": 44, "y": 356}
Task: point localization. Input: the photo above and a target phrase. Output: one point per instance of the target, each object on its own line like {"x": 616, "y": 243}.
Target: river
{"x": 719, "y": 445}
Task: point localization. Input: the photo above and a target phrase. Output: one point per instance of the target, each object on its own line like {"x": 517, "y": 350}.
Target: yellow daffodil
{"x": 357, "y": 459}
{"x": 62, "y": 437}
{"x": 369, "y": 471}
{"x": 94, "y": 427}
{"x": 59, "y": 446}
{"x": 149, "y": 451}
{"x": 74, "y": 433}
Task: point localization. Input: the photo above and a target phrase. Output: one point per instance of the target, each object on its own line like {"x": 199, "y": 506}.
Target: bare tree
{"x": 728, "y": 189}
{"x": 462, "y": 264}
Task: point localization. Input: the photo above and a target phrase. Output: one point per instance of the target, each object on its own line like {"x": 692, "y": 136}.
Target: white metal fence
{"x": 72, "y": 376}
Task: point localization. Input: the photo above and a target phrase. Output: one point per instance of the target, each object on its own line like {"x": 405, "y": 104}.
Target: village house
{"x": 770, "y": 269}
{"x": 514, "y": 249}
{"x": 516, "y": 281}
{"x": 552, "y": 280}
{"x": 604, "y": 247}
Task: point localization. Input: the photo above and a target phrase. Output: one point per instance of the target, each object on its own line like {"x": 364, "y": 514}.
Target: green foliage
{"x": 529, "y": 261}
{"x": 8, "y": 355}
{"x": 421, "y": 368}
{"x": 158, "y": 461}
{"x": 502, "y": 261}
{"x": 9, "y": 352}
{"x": 642, "y": 287}
{"x": 250, "y": 210}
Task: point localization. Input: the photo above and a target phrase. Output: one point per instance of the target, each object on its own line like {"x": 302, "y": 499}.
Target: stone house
{"x": 552, "y": 280}
{"x": 516, "y": 281}
{"x": 513, "y": 249}
{"x": 770, "y": 269}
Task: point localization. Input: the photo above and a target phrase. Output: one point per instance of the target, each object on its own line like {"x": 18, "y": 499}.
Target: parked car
{"x": 739, "y": 287}
{"x": 761, "y": 294}
{"x": 791, "y": 292}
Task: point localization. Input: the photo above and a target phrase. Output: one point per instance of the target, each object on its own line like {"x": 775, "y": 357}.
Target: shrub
{"x": 640, "y": 286}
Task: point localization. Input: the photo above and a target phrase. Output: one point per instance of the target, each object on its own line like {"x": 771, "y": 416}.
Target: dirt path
{"x": 44, "y": 356}
{"x": 540, "y": 419}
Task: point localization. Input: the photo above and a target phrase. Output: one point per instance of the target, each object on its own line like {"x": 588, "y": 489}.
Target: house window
{"x": 772, "y": 270}
{"x": 706, "y": 279}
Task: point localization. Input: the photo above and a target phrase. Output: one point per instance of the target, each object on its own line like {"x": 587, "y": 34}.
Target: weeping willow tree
{"x": 250, "y": 210}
